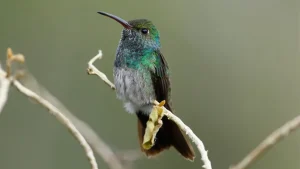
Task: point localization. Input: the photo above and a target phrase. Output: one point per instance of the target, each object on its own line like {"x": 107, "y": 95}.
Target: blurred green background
{"x": 235, "y": 76}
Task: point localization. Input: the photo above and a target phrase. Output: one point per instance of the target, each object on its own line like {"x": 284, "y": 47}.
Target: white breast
{"x": 134, "y": 89}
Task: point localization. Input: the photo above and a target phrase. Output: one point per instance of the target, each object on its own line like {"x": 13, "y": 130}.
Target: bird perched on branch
{"x": 141, "y": 75}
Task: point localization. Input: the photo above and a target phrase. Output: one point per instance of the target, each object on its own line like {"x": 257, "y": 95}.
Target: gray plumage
{"x": 133, "y": 89}
{"x": 133, "y": 80}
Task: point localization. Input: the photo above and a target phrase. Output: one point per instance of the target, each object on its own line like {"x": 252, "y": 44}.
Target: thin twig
{"x": 7, "y": 78}
{"x": 189, "y": 132}
{"x": 186, "y": 129}
{"x": 62, "y": 118}
{"x": 4, "y": 89}
{"x": 269, "y": 142}
{"x": 99, "y": 146}
{"x": 113, "y": 160}
{"x": 92, "y": 70}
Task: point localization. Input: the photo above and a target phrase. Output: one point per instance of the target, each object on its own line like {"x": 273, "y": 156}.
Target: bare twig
{"x": 186, "y": 129}
{"x": 4, "y": 89}
{"x": 62, "y": 118}
{"x": 100, "y": 147}
{"x": 113, "y": 160}
{"x": 269, "y": 142}
{"x": 92, "y": 70}
{"x": 6, "y": 78}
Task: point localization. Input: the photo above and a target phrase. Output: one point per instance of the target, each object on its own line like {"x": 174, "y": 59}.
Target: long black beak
{"x": 118, "y": 19}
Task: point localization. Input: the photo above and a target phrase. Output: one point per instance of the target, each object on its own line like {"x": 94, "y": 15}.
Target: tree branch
{"x": 188, "y": 131}
{"x": 52, "y": 109}
{"x": 269, "y": 142}
{"x": 92, "y": 70}
{"x": 207, "y": 164}
{"x": 61, "y": 118}
{"x": 4, "y": 89}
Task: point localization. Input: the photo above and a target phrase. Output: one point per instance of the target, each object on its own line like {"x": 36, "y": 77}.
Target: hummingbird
{"x": 141, "y": 75}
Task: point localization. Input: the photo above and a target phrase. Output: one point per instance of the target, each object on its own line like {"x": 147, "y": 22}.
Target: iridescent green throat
{"x": 148, "y": 59}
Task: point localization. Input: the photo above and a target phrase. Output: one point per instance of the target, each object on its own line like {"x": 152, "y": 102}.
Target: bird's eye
{"x": 144, "y": 31}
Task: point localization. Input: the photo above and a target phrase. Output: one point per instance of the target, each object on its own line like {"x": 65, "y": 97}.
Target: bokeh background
{"x": 235, "y": 76}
